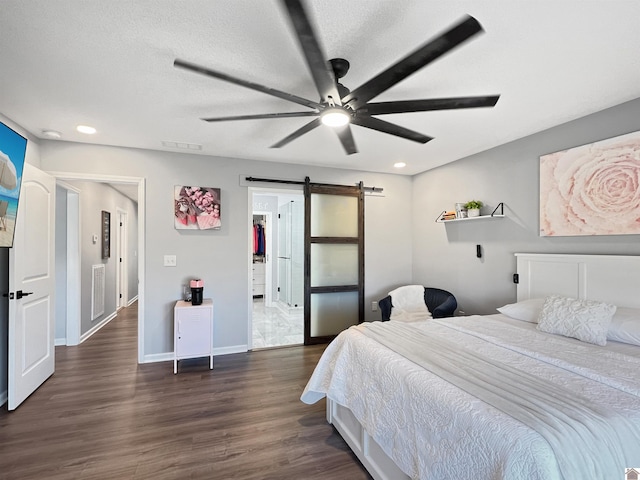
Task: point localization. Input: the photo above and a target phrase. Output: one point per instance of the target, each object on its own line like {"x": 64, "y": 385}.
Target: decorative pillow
{"x": 625, "y": 326}
{"x": 526, "y": 310}
{"x": 586, "y": 320}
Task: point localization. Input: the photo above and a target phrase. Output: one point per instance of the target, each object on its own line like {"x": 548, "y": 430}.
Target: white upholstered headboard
{"x": 607, "y": 278}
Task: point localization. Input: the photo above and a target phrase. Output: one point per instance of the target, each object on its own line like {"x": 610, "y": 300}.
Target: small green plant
{"x": 473, "y": 204}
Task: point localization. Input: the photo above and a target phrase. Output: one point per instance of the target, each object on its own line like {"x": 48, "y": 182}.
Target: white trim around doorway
{"x": 141, "y": 182}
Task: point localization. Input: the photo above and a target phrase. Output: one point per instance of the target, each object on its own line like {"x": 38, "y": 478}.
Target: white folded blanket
{"x": 408, "y": 304}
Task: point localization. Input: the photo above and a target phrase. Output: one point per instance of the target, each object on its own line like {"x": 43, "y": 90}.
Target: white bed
{"x": 405, "y": 421}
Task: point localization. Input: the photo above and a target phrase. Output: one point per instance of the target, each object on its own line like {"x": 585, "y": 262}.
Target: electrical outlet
{"x": 374, "y": 306}
{"x": 170, "y": 261}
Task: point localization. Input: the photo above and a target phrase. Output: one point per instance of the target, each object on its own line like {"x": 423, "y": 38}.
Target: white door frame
{"x": 263, "y": 190}
{"x": 73, "y": 264}
{"x": 122, "y": 297}
{"x": 141, "y": 182}
{"x": 268, "y": 285}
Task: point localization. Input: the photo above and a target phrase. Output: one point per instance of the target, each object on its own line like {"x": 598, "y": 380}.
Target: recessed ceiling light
{"x": 51, "y": 134}
{"x": 399, "y": 164}
{"x": 86, "y": 129}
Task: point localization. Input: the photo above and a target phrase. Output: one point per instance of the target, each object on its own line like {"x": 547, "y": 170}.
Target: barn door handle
{"x": 20, "y": 294}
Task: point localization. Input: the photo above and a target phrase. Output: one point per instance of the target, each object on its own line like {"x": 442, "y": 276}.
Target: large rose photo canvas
{"x": 196, "y": 208}
{"x": 593, "y": 189}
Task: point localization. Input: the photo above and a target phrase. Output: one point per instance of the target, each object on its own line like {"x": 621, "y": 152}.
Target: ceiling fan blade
{"x": 346, "y": 138}
{"x": 424, "y": 55}
{"x": 262, "y": 116}
{"x": 237, "y": 81}
{"x": 320, "y": 69}
{"x": 390, "y": 128}
{"x": 301, "y": 131}
{"x": 406, "y": 106}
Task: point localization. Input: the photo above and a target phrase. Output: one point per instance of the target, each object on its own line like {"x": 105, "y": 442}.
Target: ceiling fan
{"x": 338, "y": 106}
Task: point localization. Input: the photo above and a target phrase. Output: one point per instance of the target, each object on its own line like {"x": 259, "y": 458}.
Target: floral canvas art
{"x": 593, "y": 189}
{"x": 196, "y": 208}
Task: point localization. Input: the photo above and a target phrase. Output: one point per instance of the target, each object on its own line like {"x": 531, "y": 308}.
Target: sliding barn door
{"x": 334, "y": 260}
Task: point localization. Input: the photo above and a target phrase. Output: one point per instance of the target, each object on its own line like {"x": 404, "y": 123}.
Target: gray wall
{"x": 221, "y": 257}
{"x": 444, "y": 255}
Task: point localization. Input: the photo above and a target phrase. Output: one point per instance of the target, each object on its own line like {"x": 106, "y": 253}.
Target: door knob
{"x": 20, "y": 294}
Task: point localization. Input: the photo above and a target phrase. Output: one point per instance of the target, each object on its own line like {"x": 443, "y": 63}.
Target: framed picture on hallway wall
{"x": 106, "y": 234}
{"x": 592, "y": 189}
{"x": 196, "y": 208}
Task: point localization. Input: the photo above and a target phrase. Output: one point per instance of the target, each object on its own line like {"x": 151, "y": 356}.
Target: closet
{"x": 259, "y": 258}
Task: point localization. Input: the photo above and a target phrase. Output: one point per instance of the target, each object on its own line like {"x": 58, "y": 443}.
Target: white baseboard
{"x": 97, "y": 327}
{"x": 168, "y": 356}
{"x": 60, "y": 342}
{"x": 132, "y": 301}
{"x": 230, "y": 350}
{"x": 158, "y": 357}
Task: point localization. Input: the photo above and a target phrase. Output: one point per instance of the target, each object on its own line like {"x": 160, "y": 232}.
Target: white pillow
{"x": 586, "y": 320}
{"x": 526, "y": 310}
{"x": 625, "y": 326}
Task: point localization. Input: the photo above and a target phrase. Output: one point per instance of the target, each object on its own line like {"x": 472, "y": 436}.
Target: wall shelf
{"x": 493, "y": 214}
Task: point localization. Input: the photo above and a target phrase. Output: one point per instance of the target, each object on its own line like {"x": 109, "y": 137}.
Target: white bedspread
{"x": 436, "y": 430}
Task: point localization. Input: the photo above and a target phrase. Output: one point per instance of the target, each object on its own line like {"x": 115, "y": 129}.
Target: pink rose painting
{"x": 196, "y": 208}
{"x": 592, "y": 189}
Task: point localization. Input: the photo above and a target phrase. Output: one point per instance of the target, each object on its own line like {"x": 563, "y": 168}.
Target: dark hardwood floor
{"x": 103, "y": 416}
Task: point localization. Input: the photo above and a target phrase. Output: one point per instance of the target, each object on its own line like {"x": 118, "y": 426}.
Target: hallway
{"x": 102, "y": 416}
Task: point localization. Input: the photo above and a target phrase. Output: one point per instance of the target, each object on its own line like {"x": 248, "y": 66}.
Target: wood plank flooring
{"x": 103, "y": 416}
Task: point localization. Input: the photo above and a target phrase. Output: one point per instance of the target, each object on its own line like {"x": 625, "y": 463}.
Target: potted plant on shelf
{"x": 473, "y": 208}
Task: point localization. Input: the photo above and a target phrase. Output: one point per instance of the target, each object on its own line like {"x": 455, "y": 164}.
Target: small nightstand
{"x": 192, "y": 331}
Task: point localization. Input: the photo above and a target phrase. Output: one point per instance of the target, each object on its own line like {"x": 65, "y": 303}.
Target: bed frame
{"x": 606, "y": 278}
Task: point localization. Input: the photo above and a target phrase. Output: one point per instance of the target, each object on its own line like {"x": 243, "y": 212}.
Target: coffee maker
{"x": 197, "y": 287}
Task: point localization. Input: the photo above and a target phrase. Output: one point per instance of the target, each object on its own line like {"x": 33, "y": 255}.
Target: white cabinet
{"x": 258, "y": 274}
{"x": 192, "y": 331}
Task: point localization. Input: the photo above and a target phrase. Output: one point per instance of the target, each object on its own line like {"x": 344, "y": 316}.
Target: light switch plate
{"x": 170, "y": 261}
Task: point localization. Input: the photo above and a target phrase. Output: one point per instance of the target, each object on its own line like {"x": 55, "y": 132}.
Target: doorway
{"x": 134, "y": 188}
{"x": 276, "y": 261}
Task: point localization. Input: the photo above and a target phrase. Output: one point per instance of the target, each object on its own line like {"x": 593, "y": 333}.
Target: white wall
{"x": 220, "y": 257}
{"x": 445, "y": 254}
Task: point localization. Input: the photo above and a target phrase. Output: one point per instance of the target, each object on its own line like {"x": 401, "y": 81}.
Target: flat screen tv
{"x": 13, "y": 147}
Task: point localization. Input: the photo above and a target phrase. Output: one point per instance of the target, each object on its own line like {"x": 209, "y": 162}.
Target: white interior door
{"x": 121, "y": 265}
{"x": 32, "y": 288}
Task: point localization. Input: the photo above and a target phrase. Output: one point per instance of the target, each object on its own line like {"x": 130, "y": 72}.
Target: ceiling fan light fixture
{"x": 335, "y": 117}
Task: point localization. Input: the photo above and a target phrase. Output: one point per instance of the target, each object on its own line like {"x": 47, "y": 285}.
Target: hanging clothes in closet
{"x": 259, "y": 242}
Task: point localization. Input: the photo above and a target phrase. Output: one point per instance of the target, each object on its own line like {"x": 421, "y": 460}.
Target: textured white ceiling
{"x": 110, "y": 64}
